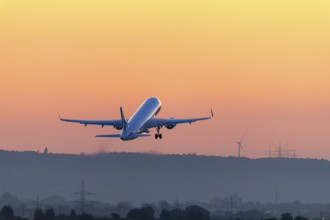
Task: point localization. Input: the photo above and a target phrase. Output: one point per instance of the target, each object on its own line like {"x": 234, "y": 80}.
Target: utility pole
{"x": 82, "y": 193}
{"x": 280, "y": 150}
{"x": 276, "y": 195}
{"x": 38, "y": 204}
{"x": 231, "y": 205}
{"x": 23, "y": 210}
{"x": 82, "y": 197}
{"x": 269, "y": 153}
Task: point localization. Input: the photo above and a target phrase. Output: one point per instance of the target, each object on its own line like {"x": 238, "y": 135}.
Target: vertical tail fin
{"x": 123, "y": 120}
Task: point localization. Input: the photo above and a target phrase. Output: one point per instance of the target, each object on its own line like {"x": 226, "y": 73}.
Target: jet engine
{"x": 170, "y": 125}
{"x": 118, "y": 127}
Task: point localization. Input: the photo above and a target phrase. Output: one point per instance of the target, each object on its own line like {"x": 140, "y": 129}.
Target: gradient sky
{"x": 261, "y": 65}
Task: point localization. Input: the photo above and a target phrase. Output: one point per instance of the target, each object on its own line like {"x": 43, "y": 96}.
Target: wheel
{"x": 160, "y": 136}
{"x": 156, "y": 136}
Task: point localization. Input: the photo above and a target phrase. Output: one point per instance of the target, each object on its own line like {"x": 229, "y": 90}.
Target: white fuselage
{"x": 140, "y": 123}
{"x": 137, "y": 124}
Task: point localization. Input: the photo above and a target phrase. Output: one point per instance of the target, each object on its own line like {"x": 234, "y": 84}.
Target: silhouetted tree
{"x": 271, "y": 218}
{"x": 115, "y": 216}
{"x": 286, "y": 216}
{"x": 165, "y": 215}
{"x": 164, "y": 205}
{"x": 62, "y": 217}
{"x": 85, "y": 216}
{"x": 177, "y": 204}
{"x": 252, "y": 214}
{"x": 7, "y": 212}
{"x": 300, "y": 218}
{"x": 123, "y": 208}
{"x": 38, "y": 215}
{"x": 177, "y": 214}
{"x": 195, "y": 212}
{"x": 49, "y": 214}
{"x": 73, "y": 214}
{"x": 144, "y": 213}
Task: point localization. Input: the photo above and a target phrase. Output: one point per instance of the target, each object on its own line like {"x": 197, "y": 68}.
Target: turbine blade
{"x": 242, "y": 149}
{"x": 243, "y": 136}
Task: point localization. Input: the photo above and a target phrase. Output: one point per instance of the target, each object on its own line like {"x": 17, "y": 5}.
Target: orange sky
{"x": 261, "y": 65}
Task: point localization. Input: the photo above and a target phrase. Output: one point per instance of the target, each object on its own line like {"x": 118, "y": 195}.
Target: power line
{"x": 83, "y": 194}
{"x": 281, "y": 152}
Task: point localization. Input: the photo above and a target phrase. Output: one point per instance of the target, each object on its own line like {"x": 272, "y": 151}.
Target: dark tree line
{"x": 7, "y": 213}
{"x": 190, "y": 213}
{"x": 193, "y": 212}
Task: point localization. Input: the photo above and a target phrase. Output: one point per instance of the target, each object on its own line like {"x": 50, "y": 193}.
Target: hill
{"x": 138, "y": 177}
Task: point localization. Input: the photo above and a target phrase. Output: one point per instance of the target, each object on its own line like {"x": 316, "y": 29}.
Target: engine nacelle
{"x": 170, "y": 126}
{"x": 118, "y": 127}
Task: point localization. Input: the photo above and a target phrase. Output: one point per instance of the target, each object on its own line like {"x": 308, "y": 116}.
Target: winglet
{"x": 59, "y": 116}
{"x": 212, "y": 113}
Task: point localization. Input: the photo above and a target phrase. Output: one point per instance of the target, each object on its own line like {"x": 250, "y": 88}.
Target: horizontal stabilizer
{"x": 108, "y": 135}
{"x": 141, "y": 135}
{"x": 132, "y": 136}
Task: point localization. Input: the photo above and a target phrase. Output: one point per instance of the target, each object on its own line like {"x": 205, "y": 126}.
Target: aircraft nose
{"x": 123, "y": 136}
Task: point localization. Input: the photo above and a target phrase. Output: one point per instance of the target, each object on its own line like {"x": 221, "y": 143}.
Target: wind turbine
{"x": 240, "y": 146}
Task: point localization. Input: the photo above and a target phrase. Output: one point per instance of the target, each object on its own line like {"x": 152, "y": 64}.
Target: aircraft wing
{"x": 115, "y": 123}
{"x": 160, "y": 122}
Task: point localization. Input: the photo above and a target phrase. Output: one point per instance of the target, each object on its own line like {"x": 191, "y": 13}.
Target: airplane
{"x": 140, "y": 123}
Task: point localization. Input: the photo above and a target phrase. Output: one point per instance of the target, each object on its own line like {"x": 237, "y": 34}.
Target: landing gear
{"x": 158, "y": 135}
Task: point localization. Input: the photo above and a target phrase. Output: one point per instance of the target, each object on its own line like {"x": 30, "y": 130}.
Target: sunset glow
{"x": 261, "y": 65}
